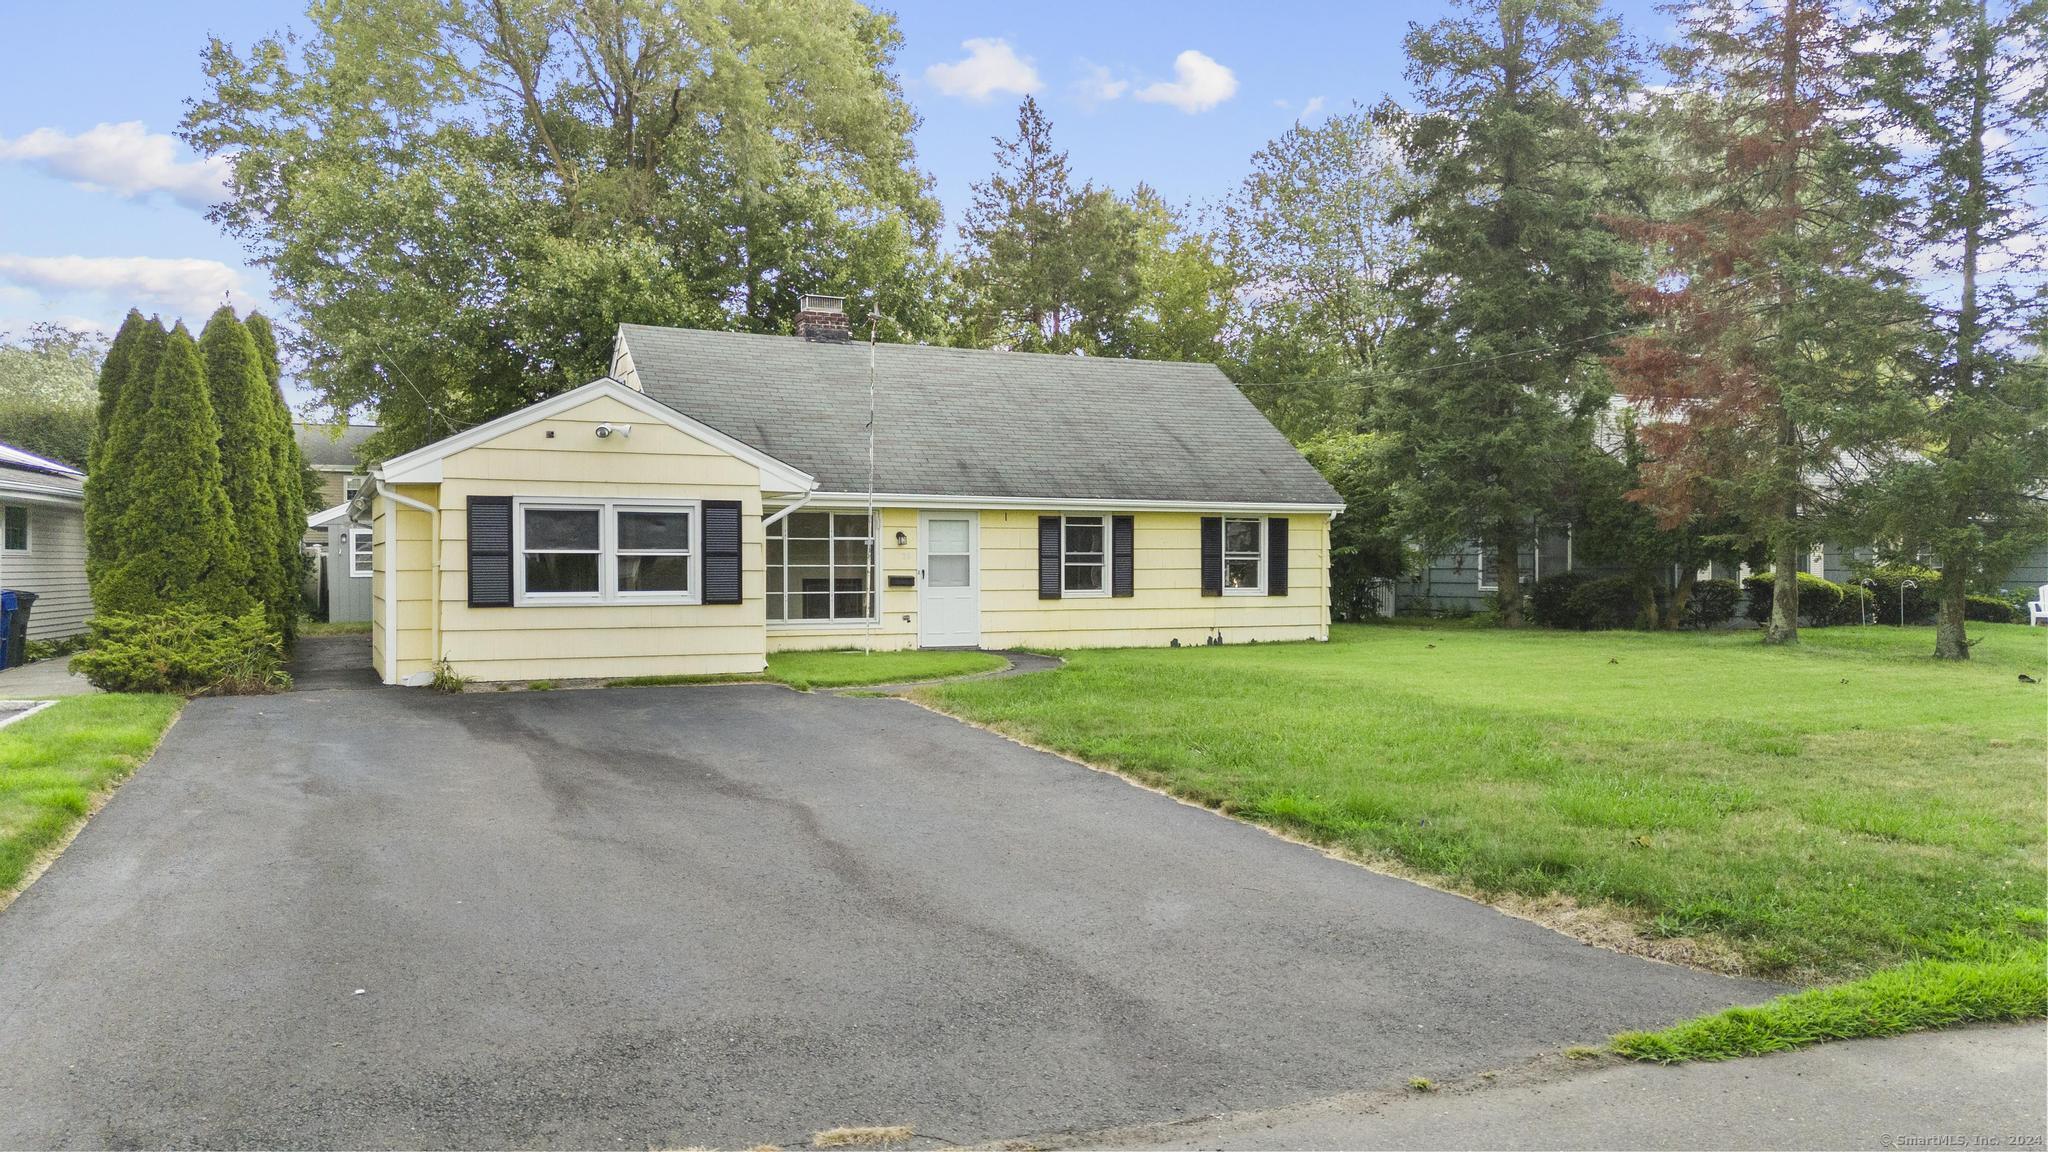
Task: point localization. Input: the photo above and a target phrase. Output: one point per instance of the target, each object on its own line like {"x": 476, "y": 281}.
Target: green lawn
{"x": 334, "y": 627}
{"x": 843, "y": 668}
{"x": 1814, "y": 814}
{"x": 54, "y": 763}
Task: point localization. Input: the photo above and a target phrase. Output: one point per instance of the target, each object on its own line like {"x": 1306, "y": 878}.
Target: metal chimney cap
{"x": 829, "y": 304}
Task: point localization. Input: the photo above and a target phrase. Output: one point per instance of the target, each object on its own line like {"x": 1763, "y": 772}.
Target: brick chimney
{"x": 823, "y": 318}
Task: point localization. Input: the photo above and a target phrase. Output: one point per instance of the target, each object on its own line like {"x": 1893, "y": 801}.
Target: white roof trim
{"x": 1047, "y": 503}
{"x": 321, "y": 519}
{"x": 423, "y": 466}
{"x": 9, "y": 454}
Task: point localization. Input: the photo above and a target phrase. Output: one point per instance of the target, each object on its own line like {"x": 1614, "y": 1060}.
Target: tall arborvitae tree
{"x": 245, "y": 406}
{"x": 1508, "y": 296}
{"x": 289, "y": 486}
{"x": 1960, "y": 89}
{"x": 1777, "y": 333}
{"x": 176, "y": 541}
{"x": 125, "y": 385}
{"x": 101, "y": 501}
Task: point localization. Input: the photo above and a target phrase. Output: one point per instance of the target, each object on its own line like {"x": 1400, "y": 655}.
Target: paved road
{"x": 720, "y": 915}
{"x": 1970, "y": 1088}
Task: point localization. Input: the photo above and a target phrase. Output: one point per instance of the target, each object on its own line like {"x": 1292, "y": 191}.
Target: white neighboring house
{"x": 42, "y": 541}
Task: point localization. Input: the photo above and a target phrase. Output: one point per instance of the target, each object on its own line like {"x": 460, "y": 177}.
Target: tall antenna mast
{"x": 867, "y": 627}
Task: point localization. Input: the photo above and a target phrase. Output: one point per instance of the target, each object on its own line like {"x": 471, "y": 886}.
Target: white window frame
{"x": 832, "y": 538}
{"x": 607, "y": 551}
{"x": 1107, "y": 522}
{"x": 28, "y": 529}
{"x": 1265, "y": 543}
{"x": 369, "y": 564}
{"x": 1479, "y": 571}
{"x": 350, "y": 485}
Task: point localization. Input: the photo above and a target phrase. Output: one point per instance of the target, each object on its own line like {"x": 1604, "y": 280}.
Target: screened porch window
{"x": 821, "y": 567}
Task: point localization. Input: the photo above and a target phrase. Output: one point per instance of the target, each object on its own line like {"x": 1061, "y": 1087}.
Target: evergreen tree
{"x": 1961, "y": 84}
{"x": 176, "y": 541}
{"x": 1508, "y": 295}
{"x": 125, "y": 385}
{"x": 292, "y": 484}
{"x": 1048, "y": 267}
{"x": 1777, "y": 331}
{"x": 245, "y": 405}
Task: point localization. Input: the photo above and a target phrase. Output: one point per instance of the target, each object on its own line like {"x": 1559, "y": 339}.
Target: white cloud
{"x": 190, "y": 288}
{"x": 991, "y": 66}
{"x": 1199, "y": 84}
{"x": 126, "y": 159}
{"x": 1314, "y": 105}
{"x": 1098, "y": 86}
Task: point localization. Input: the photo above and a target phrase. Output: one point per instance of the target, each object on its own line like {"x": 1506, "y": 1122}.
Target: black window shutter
{"x": 1120, "y": 554}
{"x": 1048, "y": 557}
{"x": 490, "y": 551}
{"x": 1212, "y": 555}
{"x": 721, "y": 552}
{"x": 1276, "y": 556}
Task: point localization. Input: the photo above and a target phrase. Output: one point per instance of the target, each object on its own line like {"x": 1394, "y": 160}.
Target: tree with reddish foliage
{"x": 1774, "y": 326}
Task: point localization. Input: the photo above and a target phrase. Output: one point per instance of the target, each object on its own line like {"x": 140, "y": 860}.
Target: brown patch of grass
{"x": 870, "y": 1137}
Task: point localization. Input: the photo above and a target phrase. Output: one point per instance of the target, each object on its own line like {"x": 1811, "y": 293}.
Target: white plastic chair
{"x": 2037, "y": 610}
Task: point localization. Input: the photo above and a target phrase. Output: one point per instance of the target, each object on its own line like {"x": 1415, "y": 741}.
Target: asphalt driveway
{"x": 720, "y": 915}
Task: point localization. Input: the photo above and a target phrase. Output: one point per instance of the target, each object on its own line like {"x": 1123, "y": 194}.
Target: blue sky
{"x": 99, "y": 210}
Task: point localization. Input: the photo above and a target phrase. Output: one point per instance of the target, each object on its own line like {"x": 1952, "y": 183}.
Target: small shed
{"x": 342, "y": 575}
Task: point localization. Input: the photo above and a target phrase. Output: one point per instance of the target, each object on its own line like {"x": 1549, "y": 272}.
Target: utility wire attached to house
{"x": 867, "y": 627}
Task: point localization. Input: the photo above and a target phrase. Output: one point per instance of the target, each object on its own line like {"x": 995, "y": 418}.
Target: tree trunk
{"x": 1681, "y": 595}
{"x": 1950, "y": 639}
{"x": 1507, "y": 568}
{"x": 1784, "y": 625}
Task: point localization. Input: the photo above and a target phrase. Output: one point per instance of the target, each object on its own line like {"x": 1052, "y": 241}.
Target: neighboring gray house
{"x": 1463, "y": 581}
{"x": 341, "y": 574}
{"x": 334, "y": 452}
{"x": 42, "y": 541}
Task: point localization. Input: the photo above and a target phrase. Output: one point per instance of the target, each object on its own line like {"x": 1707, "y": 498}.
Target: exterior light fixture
{"x": 901, "y": 539}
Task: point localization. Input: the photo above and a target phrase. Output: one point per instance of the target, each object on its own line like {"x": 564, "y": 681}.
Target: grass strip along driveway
{"x": 841, "y": 668}
{"x": 56, "y": 763}
{"x": 1845, "y": 808}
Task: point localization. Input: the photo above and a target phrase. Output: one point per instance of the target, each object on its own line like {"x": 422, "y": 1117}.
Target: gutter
{"x": 391, "y": 580}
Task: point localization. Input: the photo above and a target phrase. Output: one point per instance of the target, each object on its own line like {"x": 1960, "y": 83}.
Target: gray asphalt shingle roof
{"x": 958, "y": 422}
{"x": 322, "y": 448}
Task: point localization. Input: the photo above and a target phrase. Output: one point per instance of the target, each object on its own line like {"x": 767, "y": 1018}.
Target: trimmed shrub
{"x": 1549, "y": 600}
{"x": 1990, "y": 610}
{"x": 1888, "y": 583}
{"x": 1820, "y": 601}
{"x": 1609, "y": 602}
{"x": 184, "y": 651}
{"x": 1712, "y": 604}
{"x": 1857, "y": 605}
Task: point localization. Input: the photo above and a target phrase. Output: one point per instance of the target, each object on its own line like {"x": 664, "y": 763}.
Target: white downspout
{"x": 391, "y": 579}
{"x": 786, "y": 509}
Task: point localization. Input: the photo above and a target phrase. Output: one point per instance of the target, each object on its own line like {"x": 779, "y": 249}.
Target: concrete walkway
{"x": 1015, "y": 664}
{"x": 1969, "y": 1088}
{"x": 43, "y": 680}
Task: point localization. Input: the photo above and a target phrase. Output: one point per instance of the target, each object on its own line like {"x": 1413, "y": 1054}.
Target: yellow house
{"x": 718, "y": 496}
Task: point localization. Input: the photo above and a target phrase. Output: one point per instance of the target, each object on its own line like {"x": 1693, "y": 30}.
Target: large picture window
{"x": 1084, "y": 548}
{"x": 1244, "y": 555}
{"x": 606, "y": 552}
{"x": 821, "y": 567}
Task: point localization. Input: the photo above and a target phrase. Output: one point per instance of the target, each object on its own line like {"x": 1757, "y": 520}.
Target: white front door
{"x": 949, "y": 581}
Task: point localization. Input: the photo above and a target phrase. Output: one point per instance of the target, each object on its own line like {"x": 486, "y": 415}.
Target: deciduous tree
{"x": 461, "y": 202}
